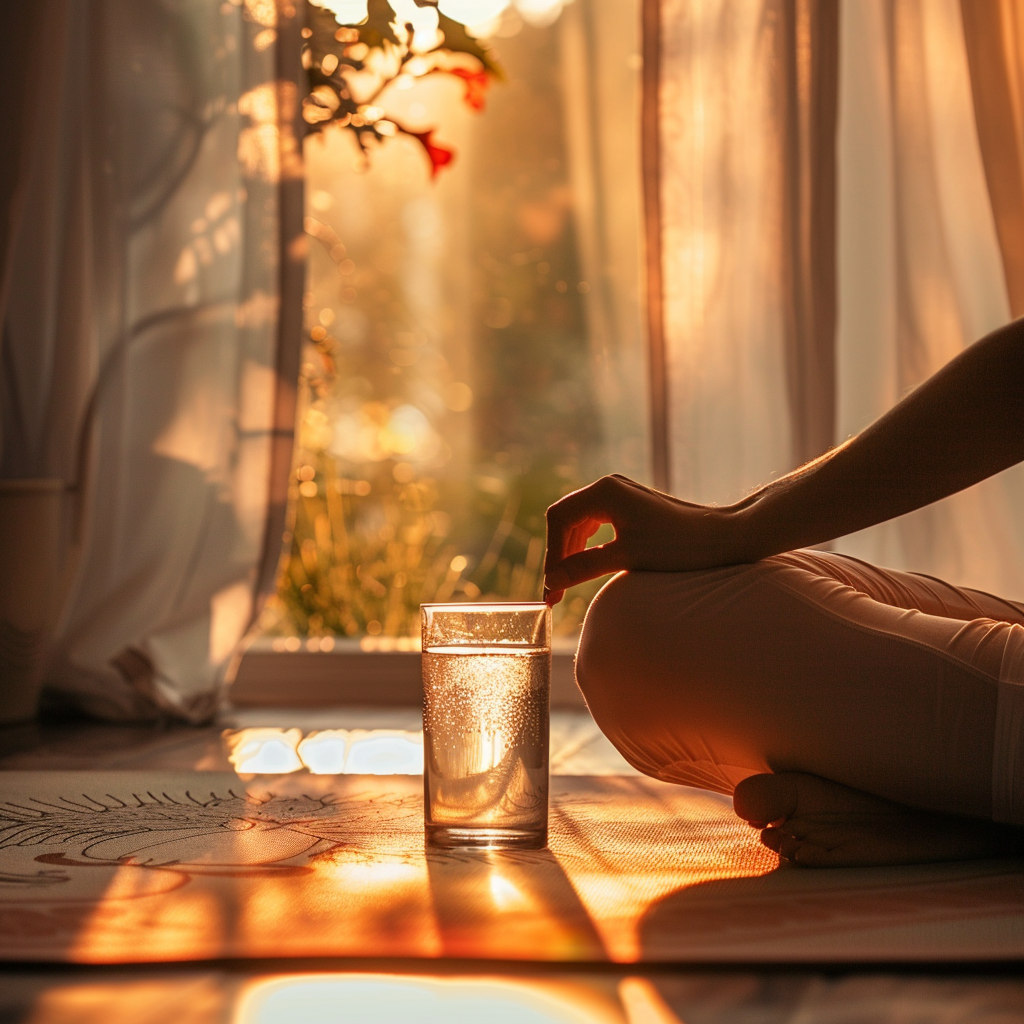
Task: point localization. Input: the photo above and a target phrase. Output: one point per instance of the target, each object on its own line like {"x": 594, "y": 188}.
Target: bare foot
{"x": 818, "y": 823}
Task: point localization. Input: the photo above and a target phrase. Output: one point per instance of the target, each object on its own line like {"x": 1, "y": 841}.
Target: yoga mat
{"x": 121, "y": 867}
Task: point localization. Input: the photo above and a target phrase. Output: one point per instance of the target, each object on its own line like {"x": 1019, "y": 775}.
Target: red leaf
{"x": 476, "y": 83}
{"x": 440, "y": 156}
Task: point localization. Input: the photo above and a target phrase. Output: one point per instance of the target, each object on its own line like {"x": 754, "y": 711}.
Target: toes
{"x": 782, "y": 842}
{"x": 795, "y": 848}
{"x": 773, "y": 838}
{"x": 763, "y": 799}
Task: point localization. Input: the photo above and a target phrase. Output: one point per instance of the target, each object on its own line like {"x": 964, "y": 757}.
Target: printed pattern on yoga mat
{"x": 103, "y": 867}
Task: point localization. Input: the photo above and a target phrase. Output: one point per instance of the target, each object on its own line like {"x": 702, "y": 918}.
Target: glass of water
{"x": 486, "y": 684}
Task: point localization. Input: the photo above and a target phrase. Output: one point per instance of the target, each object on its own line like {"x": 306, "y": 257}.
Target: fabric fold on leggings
{"x": 893, "y": 683}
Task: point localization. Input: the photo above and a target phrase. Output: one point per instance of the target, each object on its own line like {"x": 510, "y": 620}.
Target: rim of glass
{"x": 505, "y": 606}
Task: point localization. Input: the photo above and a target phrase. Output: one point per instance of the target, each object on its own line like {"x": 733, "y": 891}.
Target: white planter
{"x": 33, "y": 585}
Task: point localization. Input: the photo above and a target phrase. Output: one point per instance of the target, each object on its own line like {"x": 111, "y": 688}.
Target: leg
{"x": 805, "y": 663}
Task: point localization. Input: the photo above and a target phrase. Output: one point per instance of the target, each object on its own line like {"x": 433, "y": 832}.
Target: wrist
{"x": 744, "y": 534}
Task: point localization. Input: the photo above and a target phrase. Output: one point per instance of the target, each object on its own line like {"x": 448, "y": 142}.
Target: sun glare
{"x": 393, "y": 999}
{"x": 267, "y": 751}
{"x": 264, "y": 751}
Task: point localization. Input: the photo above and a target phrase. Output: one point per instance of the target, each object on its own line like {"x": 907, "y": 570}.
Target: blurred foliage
{"x": 410, "y": 485}
{"x": 362, "y": 562}
{"x": 349, "y": 67}
{"x": 365, "y": 551}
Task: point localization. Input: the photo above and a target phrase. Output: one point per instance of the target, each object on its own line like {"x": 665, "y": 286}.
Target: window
{"x": 474, "y": 340}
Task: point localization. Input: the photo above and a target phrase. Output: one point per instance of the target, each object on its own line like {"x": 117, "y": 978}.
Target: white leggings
{"x": 890, "y": 682}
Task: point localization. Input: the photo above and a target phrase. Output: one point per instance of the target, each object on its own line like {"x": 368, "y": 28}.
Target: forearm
{"x": 960, "y": 426}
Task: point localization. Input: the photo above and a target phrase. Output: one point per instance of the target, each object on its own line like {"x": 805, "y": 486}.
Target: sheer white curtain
{"x": 151, "y": 332}
{"x": 913, "y": 256}
{"x": 920, "y": 269}
{"x": 747, "y": 112}
{"x": 600, "y": 51}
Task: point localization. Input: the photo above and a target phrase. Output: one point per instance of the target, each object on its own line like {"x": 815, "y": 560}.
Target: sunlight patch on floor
{"x": 268, "y": 751}
{"x": 395, "y": 999}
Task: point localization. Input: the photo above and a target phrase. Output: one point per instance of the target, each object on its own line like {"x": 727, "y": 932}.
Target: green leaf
{"x": 458, "y": 40}
{"x": 377, "y": 30}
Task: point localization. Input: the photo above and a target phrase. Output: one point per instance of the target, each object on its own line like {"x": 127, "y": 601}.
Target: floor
{"x": 246, "y": 992}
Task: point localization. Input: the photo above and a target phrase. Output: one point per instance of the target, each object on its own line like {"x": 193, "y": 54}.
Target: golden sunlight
{"x": 385, "y": 752}
{"x": 263, "y": 751}
{"x": 269, "y": 751}
{"x": 507, "y": 895}
{"x": 644, "y": 1004}
{"x": 324, "y": 752}
{"x": 397, "y": 999}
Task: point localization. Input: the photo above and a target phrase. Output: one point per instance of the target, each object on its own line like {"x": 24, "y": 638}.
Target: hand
{"x": 653, "y": 531}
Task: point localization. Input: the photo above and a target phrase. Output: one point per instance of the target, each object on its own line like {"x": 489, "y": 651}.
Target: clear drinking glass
{"x": 486, "y": 684}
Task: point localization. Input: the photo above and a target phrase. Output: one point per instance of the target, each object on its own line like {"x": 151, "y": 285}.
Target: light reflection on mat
{"x": 508, "y": 905}
{"x": 268, "y": 751}
{"x": 391, "y": 999}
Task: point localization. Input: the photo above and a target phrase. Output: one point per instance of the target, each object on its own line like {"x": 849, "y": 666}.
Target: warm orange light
{"x": 690, "y": 851}
{"x": 202, "y": 867}
{"x": 389, "y": 643}
{"x": 506, "y": 894}
{"x": 644, "y": 1004}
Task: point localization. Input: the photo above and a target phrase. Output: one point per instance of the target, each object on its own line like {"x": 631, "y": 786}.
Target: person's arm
{"x": 960, "y": 426}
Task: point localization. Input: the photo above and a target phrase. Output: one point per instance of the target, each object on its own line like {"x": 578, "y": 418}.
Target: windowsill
{"x": 351, "y": 676}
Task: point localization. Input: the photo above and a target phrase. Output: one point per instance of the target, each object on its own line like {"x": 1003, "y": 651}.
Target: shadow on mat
{"x": 966, "y": 910}
{"x": 509, "y": 904}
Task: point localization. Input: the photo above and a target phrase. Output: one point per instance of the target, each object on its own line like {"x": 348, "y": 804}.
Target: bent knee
{"x": 610, "y": 632}
{"x": 649, "y": 674}
{"x": 622, "y": 662}
{"x": 648, "y": 633}
{"x": 639, "y": 620}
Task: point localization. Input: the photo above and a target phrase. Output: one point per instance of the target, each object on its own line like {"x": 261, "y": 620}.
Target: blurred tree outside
{"x": 451, "y": 387}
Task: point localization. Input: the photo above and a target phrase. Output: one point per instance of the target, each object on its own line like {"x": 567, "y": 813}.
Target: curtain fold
{"x": 600, "y": 91}
{"x": 809, "y": 72}
{"x": 994, "y": 38}
{"x": 746, "y": 130}
{"x": 23, "y": 39}
{"x": 920, "y": 267}
{"x": 49, "y": 269}
{"x": 152, "y": 333}
{"x": 840, "y": 212}
{"x": 291, "y": 280}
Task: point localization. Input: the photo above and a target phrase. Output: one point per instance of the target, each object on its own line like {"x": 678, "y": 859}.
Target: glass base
{"x": 451, "y": 838}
